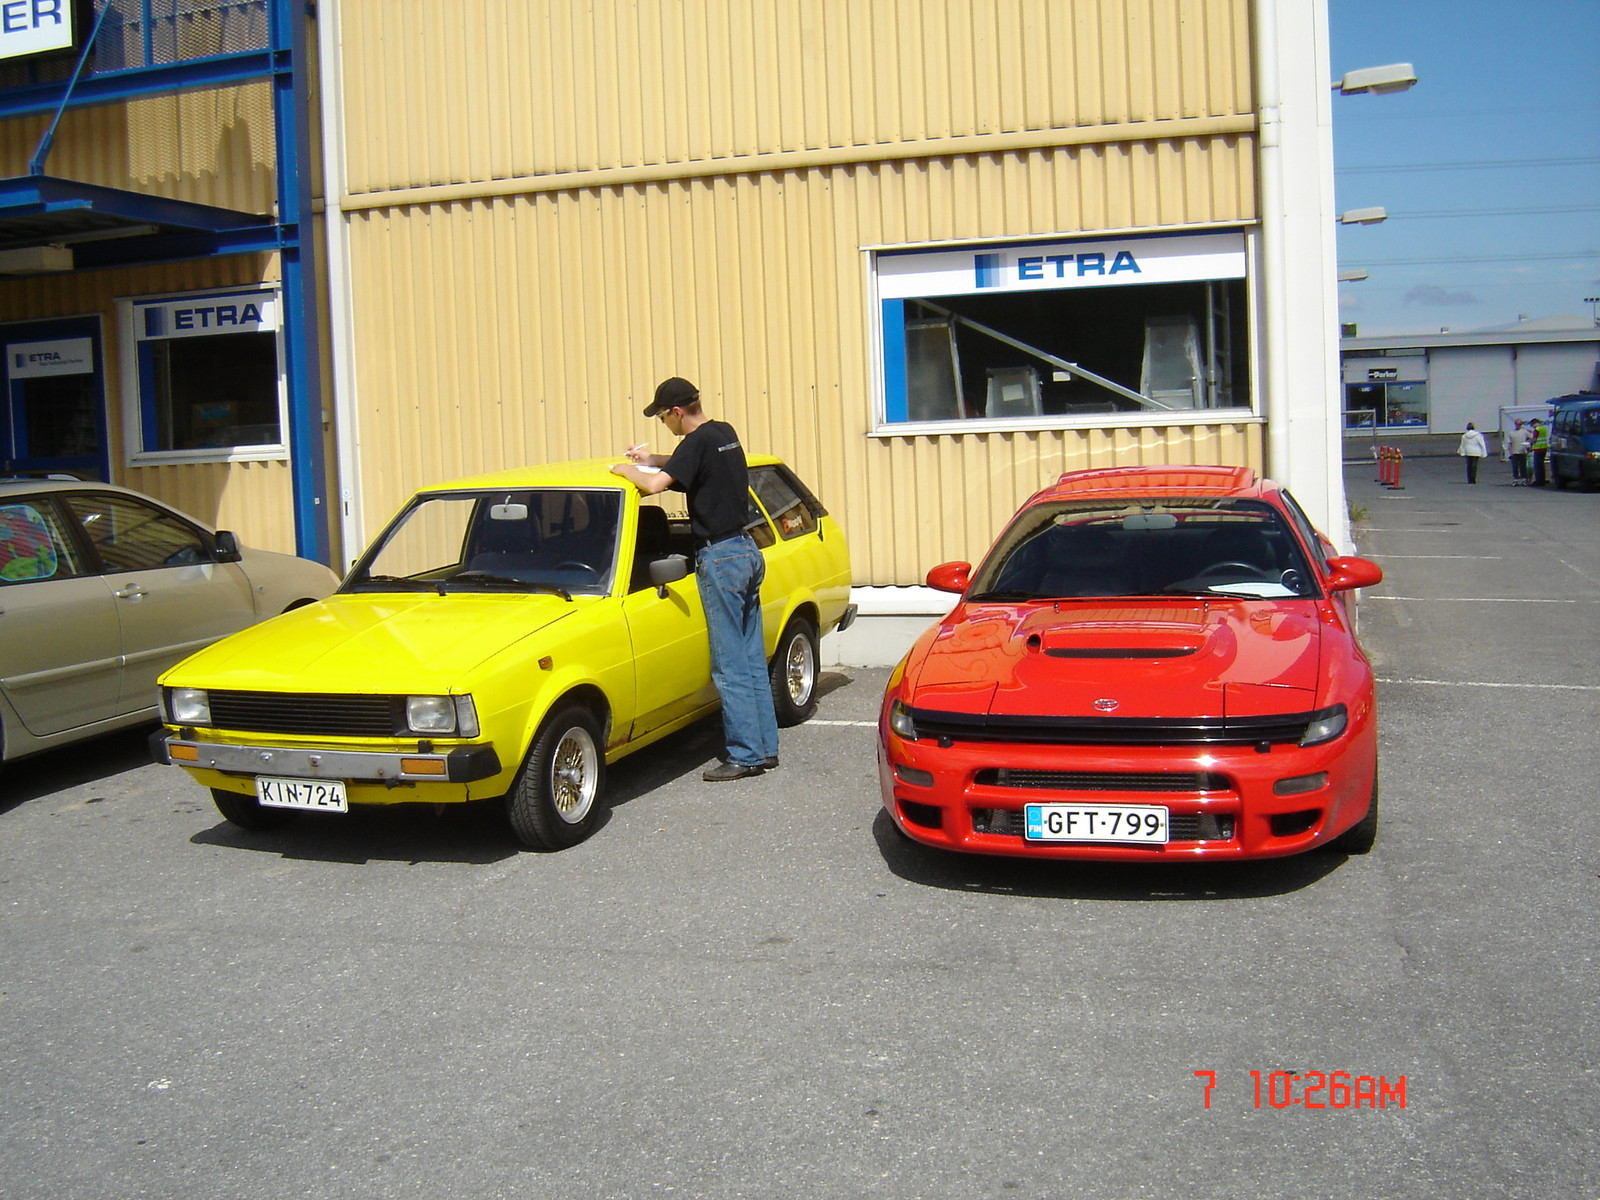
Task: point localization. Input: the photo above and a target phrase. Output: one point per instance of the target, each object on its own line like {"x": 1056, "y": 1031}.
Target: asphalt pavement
{"x": 757, "y": 989}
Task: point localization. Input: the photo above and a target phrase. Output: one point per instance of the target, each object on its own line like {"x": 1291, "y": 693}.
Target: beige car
{"x": 101, "y": 590}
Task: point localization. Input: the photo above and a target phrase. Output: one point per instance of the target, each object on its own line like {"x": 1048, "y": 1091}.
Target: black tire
{"x": 558, "y": 799}
{"x": 1359, "y": 838}
{"x": 249, "y": 813}
{"x": 793, "y": 673}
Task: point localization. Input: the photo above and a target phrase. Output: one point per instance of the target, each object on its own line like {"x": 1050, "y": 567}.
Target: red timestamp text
{"x": 1319, "y": 1089}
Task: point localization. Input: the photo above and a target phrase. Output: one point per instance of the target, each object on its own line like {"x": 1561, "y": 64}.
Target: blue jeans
{"x": 729, "y": 576}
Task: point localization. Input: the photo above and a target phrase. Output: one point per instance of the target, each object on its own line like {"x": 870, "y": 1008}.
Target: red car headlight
{"x": 1325, "y": 725}
{"x": 900, "y": 721}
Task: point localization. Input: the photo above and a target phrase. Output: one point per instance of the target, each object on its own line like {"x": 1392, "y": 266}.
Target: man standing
{"x": 1541, "y": 449}
{"x": 709, "y": 466}
{"x": 1515, "y": 445}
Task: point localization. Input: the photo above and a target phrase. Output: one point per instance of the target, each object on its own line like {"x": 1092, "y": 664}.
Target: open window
{"x": 1024, "y": 334}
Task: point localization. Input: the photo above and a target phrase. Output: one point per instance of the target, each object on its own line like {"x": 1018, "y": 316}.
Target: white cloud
{"x": 1427, "y": 294}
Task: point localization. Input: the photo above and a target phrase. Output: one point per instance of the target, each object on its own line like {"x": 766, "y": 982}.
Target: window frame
{"x": 883, "y": 341}
{"x": 139, "y": 406}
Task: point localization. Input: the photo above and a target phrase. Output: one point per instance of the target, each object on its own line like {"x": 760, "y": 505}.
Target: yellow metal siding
{"x": 212, "y": 146}
{"x": 483, "y": 90}
{"x": 253, "y": 499}
{"x": 552, "y": 208}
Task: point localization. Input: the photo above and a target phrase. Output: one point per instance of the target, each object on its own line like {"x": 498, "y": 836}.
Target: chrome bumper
{"x": 464, "y": 764}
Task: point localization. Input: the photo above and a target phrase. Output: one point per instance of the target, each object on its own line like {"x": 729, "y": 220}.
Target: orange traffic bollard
{"x": 1389, "y": 460}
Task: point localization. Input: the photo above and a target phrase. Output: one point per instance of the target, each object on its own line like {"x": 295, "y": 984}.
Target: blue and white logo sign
{"x": 63, "y": 356}
{"x": 1061, "y": 265}
{"x": 207, "y": 316}
{"x": 35, "y": 27}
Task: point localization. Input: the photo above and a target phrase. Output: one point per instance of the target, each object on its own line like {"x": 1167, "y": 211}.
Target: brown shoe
{"x": 730, "y": 770}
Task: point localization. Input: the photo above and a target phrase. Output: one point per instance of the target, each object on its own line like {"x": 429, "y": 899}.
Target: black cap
{"x": 673, "y": 393}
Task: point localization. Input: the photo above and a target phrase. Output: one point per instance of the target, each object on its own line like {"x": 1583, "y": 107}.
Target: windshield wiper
{"x": 405, "y": 583}
{"x": 511, "y": 581}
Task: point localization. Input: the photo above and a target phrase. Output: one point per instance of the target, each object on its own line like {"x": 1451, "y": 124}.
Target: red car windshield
{"x": 1153, "y": 547}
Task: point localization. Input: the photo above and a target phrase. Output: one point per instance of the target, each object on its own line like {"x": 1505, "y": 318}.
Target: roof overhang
{"x": 50, "y": 225}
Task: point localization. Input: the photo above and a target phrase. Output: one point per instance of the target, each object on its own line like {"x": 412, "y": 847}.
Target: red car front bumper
{"x": 1224, "y": 801}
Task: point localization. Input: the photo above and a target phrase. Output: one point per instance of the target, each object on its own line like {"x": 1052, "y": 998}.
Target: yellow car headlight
{"x": 447, "y": 716}
{"x": 187, "y": 706}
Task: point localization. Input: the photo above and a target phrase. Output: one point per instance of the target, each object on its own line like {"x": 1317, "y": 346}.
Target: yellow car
{"x": 506, "y": 636}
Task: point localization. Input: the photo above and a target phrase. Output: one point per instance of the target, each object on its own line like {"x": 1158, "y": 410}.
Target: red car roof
{"x": 1144, "y": 481}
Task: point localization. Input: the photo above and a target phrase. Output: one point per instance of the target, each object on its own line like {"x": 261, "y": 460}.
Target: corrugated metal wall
{"x": 553, "y": 207}
{"x": 212, "y": 146}
{"x": 255, "y": 498}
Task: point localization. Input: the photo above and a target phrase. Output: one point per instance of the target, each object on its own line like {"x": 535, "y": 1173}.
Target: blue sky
{"x": 1489, "y": 167}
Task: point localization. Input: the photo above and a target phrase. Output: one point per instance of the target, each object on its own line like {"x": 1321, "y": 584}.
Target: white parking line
{"x": 846, "y": 724}
{"x": 1474, "y": 683}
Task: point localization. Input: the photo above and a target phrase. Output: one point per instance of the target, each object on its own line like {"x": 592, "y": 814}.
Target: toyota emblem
{"x": 1106, "y": 705}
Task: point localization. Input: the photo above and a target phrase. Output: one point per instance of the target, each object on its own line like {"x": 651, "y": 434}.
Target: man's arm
{"x": 648, "y": 482}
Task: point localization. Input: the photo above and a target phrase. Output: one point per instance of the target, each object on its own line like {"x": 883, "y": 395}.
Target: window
{"x": 527, "y": 539}
{"x": 130, "y": 535}
{"x": 1386, "y": 390}
{"x": 1041, "y": 333}
{"x": 208, "y": 381}
{"x": 792, "y": 508}
{"x": 33, "y": 545}
{"x": 1153, "y": 546}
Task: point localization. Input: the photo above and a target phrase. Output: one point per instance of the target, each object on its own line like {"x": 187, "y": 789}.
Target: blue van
{"x": 1575, "y": 440}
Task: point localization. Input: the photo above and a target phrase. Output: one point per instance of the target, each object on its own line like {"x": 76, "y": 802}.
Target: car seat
{"x": 507, "y": 548}
{"x": 1086, "y": 561}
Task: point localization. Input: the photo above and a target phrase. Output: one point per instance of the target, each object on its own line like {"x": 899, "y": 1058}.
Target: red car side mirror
{"x": 950, "y": 577}
{"x": 1349, "y": 572}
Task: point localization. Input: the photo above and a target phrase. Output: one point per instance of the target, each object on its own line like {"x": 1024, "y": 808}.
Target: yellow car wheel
{"x": 558, "y": 799}
{"x": 794, "y": 673}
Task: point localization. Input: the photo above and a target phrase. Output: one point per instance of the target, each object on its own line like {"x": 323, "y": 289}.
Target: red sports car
{"x": 1150, "y": 664}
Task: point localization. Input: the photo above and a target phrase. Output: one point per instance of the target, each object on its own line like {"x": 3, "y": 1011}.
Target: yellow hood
{"x": 388, "y": 643}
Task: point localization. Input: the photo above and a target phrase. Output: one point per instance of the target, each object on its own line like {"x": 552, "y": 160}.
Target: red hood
{"x": 1124, "y": 659}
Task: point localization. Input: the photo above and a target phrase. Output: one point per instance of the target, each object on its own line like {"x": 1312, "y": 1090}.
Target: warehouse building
{"x": 301, "y": 259}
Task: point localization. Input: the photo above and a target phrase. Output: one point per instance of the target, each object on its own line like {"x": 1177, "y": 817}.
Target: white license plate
{"x": 316, "y": 795}
{"x": 1141, "y": 823}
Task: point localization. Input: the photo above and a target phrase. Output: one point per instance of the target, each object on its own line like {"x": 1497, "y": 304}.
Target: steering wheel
{"x": 582, "y": 566}
{"x": 1230, "y": 568}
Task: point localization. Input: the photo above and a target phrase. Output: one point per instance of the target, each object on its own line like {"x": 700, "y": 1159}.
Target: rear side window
{"x": 33, "y": 545}
{"x": 793, "y": 511}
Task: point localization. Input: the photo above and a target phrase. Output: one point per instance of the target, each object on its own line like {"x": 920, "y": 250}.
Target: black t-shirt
{"x": 709, "y": 465}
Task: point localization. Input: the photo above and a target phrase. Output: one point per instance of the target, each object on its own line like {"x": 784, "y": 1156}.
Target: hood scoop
{"x": 1142, "y": 652}
{"x": 1116, "y": 640}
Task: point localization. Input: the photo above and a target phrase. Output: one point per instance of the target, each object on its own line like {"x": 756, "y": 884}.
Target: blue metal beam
{"x": 144, "y": 81}
{"x": 23, "y": 194}
{"x": 302, "y": 355}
